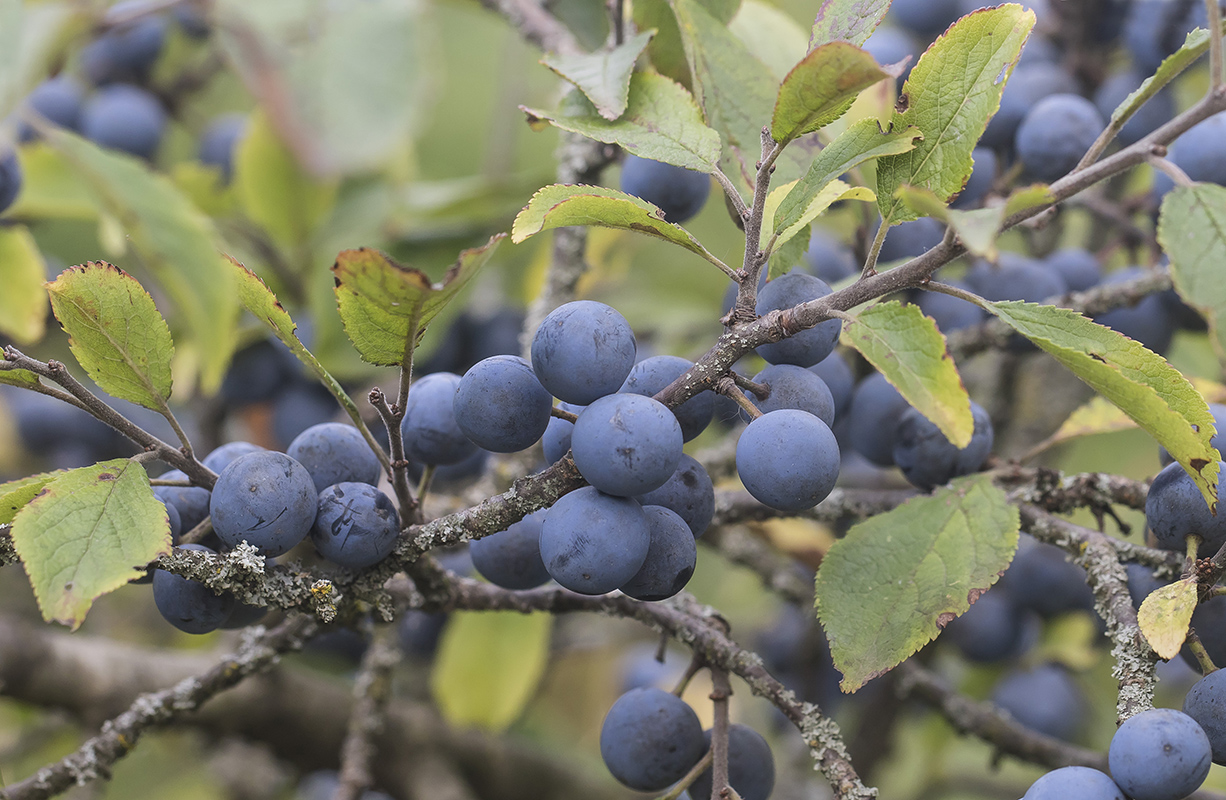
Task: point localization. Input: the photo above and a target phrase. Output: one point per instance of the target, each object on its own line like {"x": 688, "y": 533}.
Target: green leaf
{"x": 87, "y": 533}
{"x": 830, "y": 194}
{"x": 952, "y": 93}
{"x": 30, "y": 34}
{"x": 1028, "y": 197}
{"x": 785, "y": 257}
{"x": 736, "y": 90}
{"x": 976, "y": 229}
{"x": 661, "y": 122}
{"x": 273, "y": 189}
{"x": 173, "y": 239}
{"x": 339, "y": 113}
{"x": 14, "y": 495}
{"x": 888, "y": 587}
{"x": 821, "y": 88}
{"x": 665, "y": 50}
{"x": 1099, "y": 415}
{"x": 1192, "y": 232}
{"x": 1194, "y": 46}
{"x": 604, "y": 76}
{"x": 386, "y": 306}
{"x": 18, "y": 377}
{"x": 1141, "y": 383}
{"x": 859, "y": 143}
{"x": 559, "y": 205}
{"x": 1165, "y": 614}
{"x": 847, "y": 20}
{"x": 771, "y": 34}
{"x": 115, "y": 332}
{"x": 51, "y": 187}
{"x": 488, "y": 666}
{"x": 23, "y": 302}
{"x": 907, "y": 348}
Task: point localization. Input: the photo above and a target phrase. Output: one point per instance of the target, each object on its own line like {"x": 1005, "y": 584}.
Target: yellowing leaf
{"x": 821, "y": 87}
{"x": 23, "y": 302}
{"x": 830, "y": 194}
{"x": 15, "y": 494}
{"x": 1165, "y": 615}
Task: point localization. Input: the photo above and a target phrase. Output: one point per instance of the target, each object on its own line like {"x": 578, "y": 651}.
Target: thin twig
{"x": 1215, "y": 44}
{"x": 728, "y": 388}
{"x": 733, "y": 194}
{"x": 399, "y": 464}
{"x": 562, "y": 413}
{"x": 1171, "y": 170}
{"x": 371, "y": 691}
{"x": 721, "y": 691}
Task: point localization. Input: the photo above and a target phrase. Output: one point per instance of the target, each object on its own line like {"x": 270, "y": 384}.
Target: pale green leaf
{"x": 23, "y": 302}
{"x": 976, "y": 228}
{"x": 489, "y": 665}
{"x": 174, "y": 239}
{"x": 89, "y": 532}
{"x": 771, "y": 34}
{"x": 1099, "y": 415}
{"x": 604, "y": 76}
{"x": 1192, "y": 232}
{"x": 14, "y": 495}
{"x": 18, "y": 377}
{"x": 1028, "y": 197}
{"x": 50, "y": 187}
{"x": 952, "y": 93}
{"x": 821, "y": 88}
{"x": 560, "y": 205}
{"x": 386, "y": 306}
{"x": 859, "y": 143}
{"x": 847, "y": 20}
{"x": 665, "y": 50}
{"x": 116, "y": 332}
{"x": 1165, "y": 614}
{"x": 888, "y": 587}
{"x": 662, "y": 122}
{"x": 907, "y": 348}
{"x": 830, "y": 194}
{"x": 273, "y": 189}
{"x": 1194, "y": 46}
{"x": 1141, "y": 383}
{"x": 345, "y": 83}
{"x": 29, "y": 36}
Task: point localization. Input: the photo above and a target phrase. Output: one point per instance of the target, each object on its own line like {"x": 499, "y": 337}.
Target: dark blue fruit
{"x": 839, "y": 379}
{"x": 501, "y": 406}
{"x": 556, "y": 441}
{"x": 1083, "y": 783}
{"x": 830, "y": 259}
{"x": 258, "y": 373}
{"x": 1016, "y": 277}
{"x": 1209, "y": 622}
{"x": 223, "y": 456}
{"x": 1148, "y": 321}
{"x": 582, "y": 351}
{"x": 218, "y": 141}
{"x": 124, "y": 118}
{"x": 431, "y": 433}
{"x": 980, "y": 181}
{"x": 1141, "y": 583}
{"x": 1079, "y": 269}
{"x": 1175, "y": 509}
{"x": 1159, "y": 754}
{"x": 671, "y": 557}
{"x": 876, "y": 408}
{"x": 192, "y": 502}
{"x": 1206, "y": 703}
{"x": 1156, "y": 112}
{"x": 267, "y": 499}
{"x": 512, "y": 558}
{"x": 910, "y": 239}
{"x": 127, "y": 52}
{"x": 626, "y": 444}
{"x": 1200, "y": 152}
{"x": 788, "y": 460}
{"x": 189, "y": 605}
{"x": 1028, "y": 84}
{"x": 650, "y": 739}
{"x": 890, "y": 45}
{"x": 419, "y": 632}
{"x": 1055, "y": 134}
{"x": 356, "y": 525}
{"x": 928, "y": 459}
{"x": 593, "y": 543}
{"x": 10, "y": 179}
{"x": 809, "y": 346}
{"x": 948, "y": 312}
{"x": 794, "y": 387}
{"x": 925, "y": 17}
{"x": 993, "y": 629}
{"x": 689, "y": 492}
{"x": 334, "y": 452}
{"x": 452, "y": 476}
{"x": 651, "y": 375}
{"x": 680, "y": 193}
{"x": 57, "y": 100}
{"x": 751, "y": 766}
{"x": 298, "y": 406}
{"x": 1043, "y": 698}
{"x": 1042, "y": 579}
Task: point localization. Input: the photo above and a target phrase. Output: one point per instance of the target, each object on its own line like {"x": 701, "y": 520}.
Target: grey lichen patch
{"x": 246, "y": 557}
{"x": 1135, "y": 670}
{"x": 824, "y": 739}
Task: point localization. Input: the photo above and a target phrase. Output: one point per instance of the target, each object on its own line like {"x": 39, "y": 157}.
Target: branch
{"x": 371, "y": 691}
{"x": 536, "y": 25}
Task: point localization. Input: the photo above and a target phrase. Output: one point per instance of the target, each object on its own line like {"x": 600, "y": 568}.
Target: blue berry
{"x": 258, "y": 373}
{"x": 1078, "y": 269}
{"x": 928, "y": 459}
{"x": 829, "y": 259}
{"x": 679, "y": 193}
{"x": 189, "y": 605}
{"x": 809, "y": 346}
{"x": 651, "y": 375}
{"x": 1141, "y": 583}
{"x": 751, "y": 766}
{"x": 244, "y": 615}
{"x": 910, "y": 239}
{"x": 556, "y": 441}
{"x": 689, "y": 492}
{"x": 925, "y": 17}
{"x": 1055, "y": 134}
{"x": 1015, "y": 278}
{"x": 948, "y": 312}
{"x": 1042, "y": 579}
{"x": 1148, "y": 321}
{"x": 1200, "y": 152}
{"x": 452, "y": 476}
{"x": 501, "y": 406}
{"x": 124, "y": 118}
{"x": 192, "y": 502}
{"x": 267, "y": 499}
{"x": 1209, "y": 622}
{"x": 512, "y": 558}
{"x": 223, "y": 456}
{"x": 58, "y": 100}
{"x": 1044, "y": 698}
{"x": 1082, "y": 783}
{"x": 1206, "y": 703}
{"x": 794, "y": 387}
{"x": 980, "y": 181}
{"x": 626, "y": 444}
{"x": 1175, "y": 509}
{"x": 650, "y": 739}
{"x": 431, "y": 433}
{"x": 10, "y": 179}
{"x": 876, "y": 408}
{"x": 299, "y": 406}
{"x": 1028, "y": 84}
{"x": 993, "y": 629}
{"x": 839, "y": 379}
{"x": 419, "y": 632}
{"x": 593, "y": 543}
{"x": 334, "y": 452}
{"x": 788, "y": 460}
{"x": 582, "y": 351}
{"x": 671, "y": 557}
{"x": 356, "y": 525}
{"x": 218, "y": 141}
{"x": 1159, "y": 754}
{"x": 889, "y": 45}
